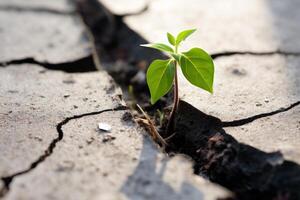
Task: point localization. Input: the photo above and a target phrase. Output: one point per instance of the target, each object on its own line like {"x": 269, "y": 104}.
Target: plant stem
{"x": 171, "y": 123}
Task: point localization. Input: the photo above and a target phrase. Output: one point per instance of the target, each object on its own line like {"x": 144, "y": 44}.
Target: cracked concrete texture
{"x": 122, "y": 164}
{"x": 224, "y": 25}
{"x": 24, "y": 33}
{"x": 33, "y": 101}
{"x": 246, "y": 86}
{"x": 49, "y": 143}
{"x": 280, "y": 132}
{"x": 86, "y": 163}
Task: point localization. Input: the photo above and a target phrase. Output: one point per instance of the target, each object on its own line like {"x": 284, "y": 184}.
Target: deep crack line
{"x": 8, "y": 179}
{"x": 267, "y": 53}
{"x": 247, "y": 120}
{"x": 16, "y": 8}
{"x": 84, "y": 64}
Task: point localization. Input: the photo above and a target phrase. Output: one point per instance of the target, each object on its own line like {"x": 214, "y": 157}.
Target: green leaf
{"x": 159, "y": 46}
{"x": 183, "y": 35}
{"x": 198, "y": 68}
{"x": 160, "y": 76}
{"x": 171, "y": 39}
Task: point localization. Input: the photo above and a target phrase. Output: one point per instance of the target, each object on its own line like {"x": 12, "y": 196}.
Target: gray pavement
{"x": 245, "y": 85}
{"x": 50, "y": 145}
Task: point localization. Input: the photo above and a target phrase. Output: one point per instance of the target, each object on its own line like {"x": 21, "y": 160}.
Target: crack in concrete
{"x": 253, "y": 53}
{"x": 241, "y": 122}
{"x": 8, "y": 179}
{"x": 84, "y": 64}
{"x": 15, "y": 8}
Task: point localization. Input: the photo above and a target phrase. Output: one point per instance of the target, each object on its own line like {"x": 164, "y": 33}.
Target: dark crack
{"x": 247, "y": 120}
{"x": 8, "y": 179}
{"x": 248, "y": 172}
{"x": 267, "y": 53}
{"x": 16, "y": 8}
{"x": 84, "y": 64}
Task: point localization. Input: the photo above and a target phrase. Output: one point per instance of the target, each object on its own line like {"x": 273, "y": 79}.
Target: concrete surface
{"x": 33, "y": 103}
{"x": 233, "y": 25}
{"x": 245, "y": 85}
{"x": 83, "y": 166}
{"x": 49, "y": 142}
{"x": 86, "y": 163}
{"x": 23, "y": 32}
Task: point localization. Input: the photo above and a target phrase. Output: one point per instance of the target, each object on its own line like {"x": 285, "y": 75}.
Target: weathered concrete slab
{"x": 122, "y": 164}
{"x": 23, "y": 33}
{"x": 224, "y": 25}
{"x": 85, "y": 163}
{"x": 280, "y": 132}
{"x": 246, "y": 86}
{"x": 34, "y": 101}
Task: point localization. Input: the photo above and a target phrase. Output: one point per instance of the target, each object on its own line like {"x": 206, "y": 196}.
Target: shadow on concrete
{"x": 146, "y": 182}
{"x": 285, "y": 20}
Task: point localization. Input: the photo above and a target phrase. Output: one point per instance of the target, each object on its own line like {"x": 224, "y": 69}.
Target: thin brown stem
{"x": 171, "y": 123}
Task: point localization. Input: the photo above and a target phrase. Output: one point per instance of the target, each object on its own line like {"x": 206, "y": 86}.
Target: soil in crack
{"x": 118, "y": 48}
{"x": 249, "y": 172}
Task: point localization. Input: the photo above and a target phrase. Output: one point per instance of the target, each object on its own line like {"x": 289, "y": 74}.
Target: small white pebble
{"x": 104, "y": 127}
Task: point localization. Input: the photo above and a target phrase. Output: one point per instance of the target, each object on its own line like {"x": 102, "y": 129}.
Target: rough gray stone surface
{"x": 24, "y": 29}
{"x": 86, "y": 166}
{"x": 86, "y": 163}
{"x": 246, "y": 86}
{"x": 224, "y": 25}
{"x": 34, "y": 101}
{"x": 50, "y": 145}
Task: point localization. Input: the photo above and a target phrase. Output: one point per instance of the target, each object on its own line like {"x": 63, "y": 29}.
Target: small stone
{"x": 104, "y": 127}
{"x": 258, "y": 104}
{"x": 267, "y": 100}
{"x": 108, "y": 138}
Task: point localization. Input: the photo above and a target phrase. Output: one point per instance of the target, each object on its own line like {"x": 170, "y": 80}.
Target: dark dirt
{"x": 81, "y": 65}
{"x": 249, "y": 172}
{"x": 118, "y": 48}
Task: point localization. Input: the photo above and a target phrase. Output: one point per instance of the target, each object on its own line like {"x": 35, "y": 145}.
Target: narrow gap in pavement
{"x": 249, "y": 172}
{"x": 241, "y": 122}
{"x": 84, "y": 64}
{"x": 267, "y": 53}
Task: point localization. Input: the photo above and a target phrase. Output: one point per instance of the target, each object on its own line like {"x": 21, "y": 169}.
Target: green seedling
{"x": 197, "y": 66}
